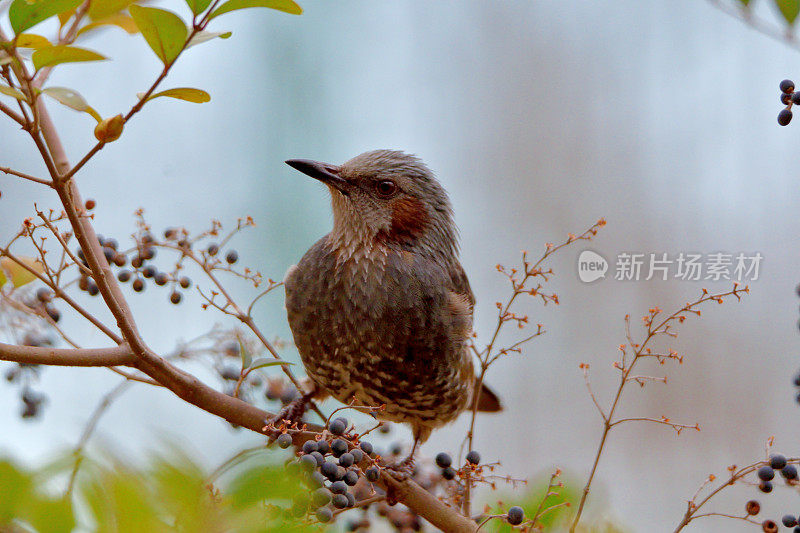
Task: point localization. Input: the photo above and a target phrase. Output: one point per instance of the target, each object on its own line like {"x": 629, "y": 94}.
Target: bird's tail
{"x": 488, "y": 401}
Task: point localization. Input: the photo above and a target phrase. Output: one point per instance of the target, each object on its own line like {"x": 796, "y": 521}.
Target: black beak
{"x": 324, "y": 172}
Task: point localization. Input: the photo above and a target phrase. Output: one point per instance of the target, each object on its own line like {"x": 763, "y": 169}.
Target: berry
{"x": 170, "y": 233}
{"x": 474, "y": 457}
{"x": 786, "y": 98}
{"x": 797, "y": 380}
{"x": 769, "y": 526}
{"x": 338, "y": 426}
{"x": 784, "y": 117}
{"x": 175, "y": 297}
{"x": 323, "y": 447}
{"x": 752, "y": 507}
{"x": 231, "y": 374}
{"x": 765, "y": 486}
{"x": 149, "y": 271}
{"x": 185, "y": 282}
{"x": 346, "y": 459}
{"x": 212, "y": 249}
{"x": 351, "y": 499}
{"x": 339, "y": 501}
{"x": 351, "y": 478}
{"x": 120, "y": 260}
{"x": 111, "y": 243}
{"x": 147, "y": 238}
{"x": 766, "y": 473}
{"x": 795, "y": 98}
{"x": 443, "y": 460}
{"x": 338, "y": 447}
{"x": 92, "y": 289}
{"x": 44, "y": 295}
{"x": 298, "y": 508}
{"x": 148, "y": 252}
{"x": 329, "y": 469}
{"x": 136, "y": 262}
{"x": 53, "y": 313}
{"x": 124, "y": 275}
{"x": 309, "y": 446}
{"x": 789, "y": 520}
{"x": 321, "y": 497}
{"x": 777, "y": 461}
{"x": 109, "y": 254}
{"x": 161, "y": 279}
{"x": 338, "y": 487}
{"x": 90, "y": 204}
{"x": 83, "y": 283}
{"x": 324, "y": 514}
{"x": 372, "y": 473}
{"x": 366, "y": 447}
{"x": 786, "y": 86}
{"x": 308, "y": 462}
{"x": 448, "y": 473}
{"x": 789, "y": 472}
{"x": 357, "y": 454}
{"x": 232, "y": 257}
{"x": 318, "y": 458}
{"x": 284, "y": 440}
{"x": 515, "y": 516}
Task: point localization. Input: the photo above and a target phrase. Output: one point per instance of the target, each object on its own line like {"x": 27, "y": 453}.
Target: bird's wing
{"x": 461, "y": 300}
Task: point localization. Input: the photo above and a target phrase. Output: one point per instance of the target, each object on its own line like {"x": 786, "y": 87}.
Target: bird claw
{"x": 293, "y": 411}
{"x": 402, "y": 470}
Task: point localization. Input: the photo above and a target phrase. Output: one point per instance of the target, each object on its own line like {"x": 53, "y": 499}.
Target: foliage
{"x": 172, "y": 492}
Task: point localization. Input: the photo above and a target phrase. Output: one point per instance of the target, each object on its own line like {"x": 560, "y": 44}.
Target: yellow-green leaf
{"x": 55, "y": 55}
{"x": 163, "y": 30}
{"x": 105, "y": 8}
{"x": 789, "y": 9}
{"x": 30, "y": 40}
{"x": 123, "y": 21}
{"x": 68, "y": 97}
{"x": 19, "y": 275}
{"x": 198, "y": 6}
{"x": 3, "y": 278}
{"x": 198, "y": 96}
{"x": 24, "y": 14}
{"x": 287, "y": 6}
{"x": 10, "y": 91}
{"x": 203, "y": 36}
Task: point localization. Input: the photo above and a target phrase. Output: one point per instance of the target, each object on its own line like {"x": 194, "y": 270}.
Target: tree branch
{"x": 37, "y": 355}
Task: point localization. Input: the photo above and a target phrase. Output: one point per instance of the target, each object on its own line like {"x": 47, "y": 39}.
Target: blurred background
{"x": 539, "y": 118}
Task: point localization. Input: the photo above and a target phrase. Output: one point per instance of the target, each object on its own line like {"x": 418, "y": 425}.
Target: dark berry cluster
{"x": 42, "y": 302}
{"x": 331, "y": 467}
{"x": 138, "y": 267}
{"x": 766, "y": 475}
{"x": 788, "y": 98}
{"x": 25, "y": 375}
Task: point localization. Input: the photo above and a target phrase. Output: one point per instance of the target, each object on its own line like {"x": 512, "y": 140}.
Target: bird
{"x": 380, "y": 308}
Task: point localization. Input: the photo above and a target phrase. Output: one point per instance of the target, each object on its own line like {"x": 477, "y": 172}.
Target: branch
{"x": 35, "y": 355}
{"x": 7, "y": 170}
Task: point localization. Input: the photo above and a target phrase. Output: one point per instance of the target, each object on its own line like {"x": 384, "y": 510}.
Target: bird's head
{"x": 386, "y": 197}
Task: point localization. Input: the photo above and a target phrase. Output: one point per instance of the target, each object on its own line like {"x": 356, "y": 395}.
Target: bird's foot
{"x": 401, "y": 470}
{"x": 293, "y": 411}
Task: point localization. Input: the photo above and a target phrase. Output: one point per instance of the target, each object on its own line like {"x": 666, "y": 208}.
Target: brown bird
{"x": 380, "y": 308}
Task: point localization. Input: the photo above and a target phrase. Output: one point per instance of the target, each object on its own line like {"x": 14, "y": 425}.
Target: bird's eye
{"x": 386, "y": 188}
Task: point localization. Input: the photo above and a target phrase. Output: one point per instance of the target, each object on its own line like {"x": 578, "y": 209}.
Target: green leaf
{"x": 789, "y": 9}
{"x": 197, "y": 96}
{"x": 245, "y": 354}
{"x": 25, "y": 14}
{"x": 105, "y": 8}
{"x": 51, "y": 516}
{"x": 123, "y": 21}
{"x": 30, "y": 40}
{"x": 745, "y": 2}
{"x": 3, "y": 280}
{"x": 9, "y": 91}
{"x": 55, "y": 55}
{"x": 163, "y": 30}
{"x": 263, "y": 362}
{"x": 203, "y": 36}
{"x": 287, "y": 6}
{"x": 198, "y": 6}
